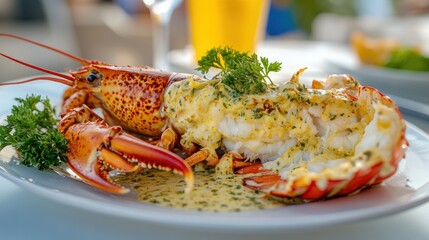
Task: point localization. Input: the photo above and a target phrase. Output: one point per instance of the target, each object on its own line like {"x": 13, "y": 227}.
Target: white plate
{"x": 407, "y": 84}
{"x": 406, "y": 189}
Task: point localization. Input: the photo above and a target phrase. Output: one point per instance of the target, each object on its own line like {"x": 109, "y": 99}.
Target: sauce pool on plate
{"x": 211, "y": 192}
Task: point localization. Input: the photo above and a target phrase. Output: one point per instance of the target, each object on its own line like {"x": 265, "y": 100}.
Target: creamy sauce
{"x": 211, "y": 192}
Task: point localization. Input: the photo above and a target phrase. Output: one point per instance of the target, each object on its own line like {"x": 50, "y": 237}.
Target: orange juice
{"x": 218, "y": 23}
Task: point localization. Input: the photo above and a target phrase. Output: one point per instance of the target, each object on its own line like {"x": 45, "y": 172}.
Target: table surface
{"x": 24, "y": 215}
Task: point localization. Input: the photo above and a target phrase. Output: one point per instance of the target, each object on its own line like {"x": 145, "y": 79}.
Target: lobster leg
{"x": 201, "y": 155}
{"x": 73, "y": 98}
{"x": 168, "y": 139}
{"x": 250, "y": 168}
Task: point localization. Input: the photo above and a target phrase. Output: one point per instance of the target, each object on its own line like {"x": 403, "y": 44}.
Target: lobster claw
{"x": 149, "y": 156}
{"x": 96, "y": 148}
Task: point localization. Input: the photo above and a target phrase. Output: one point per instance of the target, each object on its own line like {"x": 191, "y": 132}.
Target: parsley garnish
{"x": 31, "y": 129}
{"x": 241, "y": 72}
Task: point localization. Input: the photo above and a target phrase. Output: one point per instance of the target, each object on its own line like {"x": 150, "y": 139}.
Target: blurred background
{"x": 119, "y": 31}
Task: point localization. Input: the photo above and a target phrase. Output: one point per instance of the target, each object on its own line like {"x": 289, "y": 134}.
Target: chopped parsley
{"x": 31, "y": 129}
{"x": 241, "y": 72}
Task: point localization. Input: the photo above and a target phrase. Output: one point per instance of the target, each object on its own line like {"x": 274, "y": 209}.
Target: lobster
{"x": 332, "y": 139}
{"x": 98, "y": 145}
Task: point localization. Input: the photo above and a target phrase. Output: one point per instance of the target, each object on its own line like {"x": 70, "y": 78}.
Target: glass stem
{"x": 161, "y": 39}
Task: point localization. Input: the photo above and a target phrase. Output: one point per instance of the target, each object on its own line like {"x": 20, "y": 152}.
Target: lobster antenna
{"x": 64, "y": 76}
{"x": 58, "y": 80}
{"x": 81, "y": 60}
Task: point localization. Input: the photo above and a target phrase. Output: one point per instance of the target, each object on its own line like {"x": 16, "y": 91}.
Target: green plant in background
{"x": 406, "y": 58}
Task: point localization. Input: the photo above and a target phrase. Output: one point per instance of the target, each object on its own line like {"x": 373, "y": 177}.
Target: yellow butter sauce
{"x": 211, "y": 192}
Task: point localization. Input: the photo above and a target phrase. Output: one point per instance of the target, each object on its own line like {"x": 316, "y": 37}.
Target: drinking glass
{"x": 239, "y": 24}
{"x": 161, "y": 11}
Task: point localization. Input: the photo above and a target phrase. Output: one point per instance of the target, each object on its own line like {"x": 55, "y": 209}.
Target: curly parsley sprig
{"x": 243, "y": 73}
{"x": 31, "y": 129}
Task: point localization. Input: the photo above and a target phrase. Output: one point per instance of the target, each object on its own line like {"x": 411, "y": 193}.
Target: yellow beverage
{"x": 218, "y": 23}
